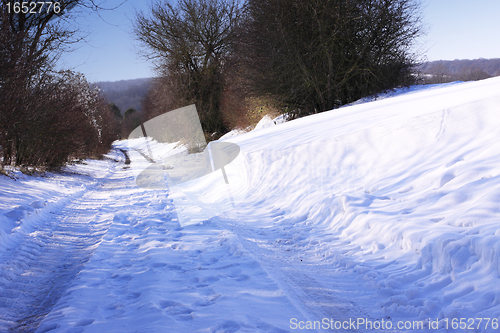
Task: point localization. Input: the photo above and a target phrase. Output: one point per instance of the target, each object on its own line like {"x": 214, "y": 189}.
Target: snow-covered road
{"x": 383, "y": 211}
{"x": 47, "y": 256}
{"x": 111, "y": 257}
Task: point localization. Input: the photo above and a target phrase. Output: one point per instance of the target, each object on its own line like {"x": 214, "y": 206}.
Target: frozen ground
{"x": 387, "y": 210}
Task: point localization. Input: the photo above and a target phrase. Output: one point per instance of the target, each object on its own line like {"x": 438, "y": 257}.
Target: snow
{"x": 382, "y": 210}
{"x": 265, "y": 122}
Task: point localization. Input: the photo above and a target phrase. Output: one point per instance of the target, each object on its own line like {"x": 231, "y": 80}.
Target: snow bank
{"x": 403, "y": 191}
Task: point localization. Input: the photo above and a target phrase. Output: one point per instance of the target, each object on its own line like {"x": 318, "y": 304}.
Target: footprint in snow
{"x": 446, "y": 178}
{"x": 176, "y": 309}
{"x": 84, "y": 322}
{"x": 456, "y": 160}
{"x": 202, "y": 285}
{"x": 134, "y": 295}
{"x": 207, "y": 301}
{"x": 177, "y": 236}
{"x": 158, "y": 265}
{"x": 115, "y": 306}
{"x": 119, "y": 277}
{"x": 177, "y": 268}
{"x": 242, "y": 277}
{"x": 406, "y": 190}
{"x": 38, "y": 204}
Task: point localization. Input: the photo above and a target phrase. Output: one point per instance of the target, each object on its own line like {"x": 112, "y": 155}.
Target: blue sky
{"x": 456, "y": 29}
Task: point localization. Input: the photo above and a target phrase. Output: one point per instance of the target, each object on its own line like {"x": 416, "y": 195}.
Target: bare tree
{"x": 192, "y": 42}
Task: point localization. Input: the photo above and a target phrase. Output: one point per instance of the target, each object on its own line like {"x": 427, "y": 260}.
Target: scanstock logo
{"x": 204, "y": 180}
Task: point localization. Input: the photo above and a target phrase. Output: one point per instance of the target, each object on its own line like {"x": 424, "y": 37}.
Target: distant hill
{"x": 463, "y": 70}
{"x": 125, "y": 93}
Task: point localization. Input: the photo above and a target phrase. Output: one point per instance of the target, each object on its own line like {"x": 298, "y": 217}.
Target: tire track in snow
{"x": 311, "y": 287}
{"x": 35, "y": 274}
{"x": 314, "y": 288}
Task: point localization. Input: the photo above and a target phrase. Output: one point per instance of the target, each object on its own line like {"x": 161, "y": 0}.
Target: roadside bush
{"x": 46, "y": 118}
{"x": 58, "y": 117}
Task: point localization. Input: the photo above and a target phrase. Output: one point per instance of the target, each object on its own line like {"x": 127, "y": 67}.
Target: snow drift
{"x": 403, "y": 191}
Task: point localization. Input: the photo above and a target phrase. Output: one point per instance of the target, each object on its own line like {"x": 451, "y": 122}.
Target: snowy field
{"x": 380, "y": 214}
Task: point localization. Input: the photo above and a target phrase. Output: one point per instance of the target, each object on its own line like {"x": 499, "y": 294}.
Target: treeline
{"x": 47, "y": 117}
{"x": 443, "y": 71}
{"x": 237, "y": 59}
